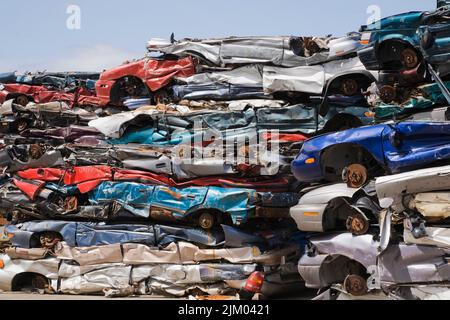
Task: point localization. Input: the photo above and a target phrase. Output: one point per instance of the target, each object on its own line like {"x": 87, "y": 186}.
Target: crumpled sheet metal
{"x": 250, "y": 75}
{"x": 27, "y": 254}
{"x": 86, "y": 234}
{"x": 97, "y": 281}
{"x": 192, "y": 274}
{"x": 180, "y": 290}
{"x": 432, "y": 205}
{"x": 439, "y": 237}
{"x": 114, "y": 126}
{"x": 9, "y": 158}
{"x": 308, "y": 79}
{"x": 90, "y": 255}
{"x": 140, "y": 199}
{"x": 398, "y": 264}
{"x": 172, "y": 279}
{"x": 405, "y": 264}
{"x": 412, "y": 182}
{"x": 247, "y": 50}
{"x": 186, "y": 253}
{"x": 47, "y": 267}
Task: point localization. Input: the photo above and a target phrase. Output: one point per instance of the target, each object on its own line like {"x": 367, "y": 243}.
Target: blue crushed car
{"x": 205, "y": 205}
{"x": 394, "y": 42}
{"x": 356, "y": 155}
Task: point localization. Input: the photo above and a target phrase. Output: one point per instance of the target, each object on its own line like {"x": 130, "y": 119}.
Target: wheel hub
{"x": 357, "y": 224}
{"x": 206, "y": 221}
{"x": 349, "y": 87}
{"x": 409, "y": 58}
{"x": 355, "y": 285}
{"x": 387, "y": 94}
{"x": 355, "y": 175}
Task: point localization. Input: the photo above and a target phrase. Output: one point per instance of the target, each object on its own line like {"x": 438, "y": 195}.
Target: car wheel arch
{"x": 347, "y": 153}
{"x": 340, "y": 121}
{"x": 27, "y": 280}
{"x": 383, "y": 48}
{"x": 115, "y": 89}
{"x": 345, "y": 265}
{"x": 365, "y": 76}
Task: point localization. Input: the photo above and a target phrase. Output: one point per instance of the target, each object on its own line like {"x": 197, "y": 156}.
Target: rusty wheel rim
{"x": 355, "y": 285}
{"x": 22, "y": 100}
{"x": 349, "y": 87}
{"x": 387, "y": 94}
{"x": 36, "y": 151}
{"x": 39, "y": 282}
{"x": 22, "y": 125}
{"x": 355, "y": 175}
{"x": 410, "y": 59}
{"x": 357, "y": 225}
{"x": 206, "y": 220}
{"x": 70, "y": 204}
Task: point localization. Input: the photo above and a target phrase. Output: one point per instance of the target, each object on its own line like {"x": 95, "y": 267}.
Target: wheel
{"x": 21, "y": 125}
{"x": 71, "y": 204}
{"x": 409, "y": 58}
{"x": 388, "y": 94}
{"x": 349, "y": 87}
{"x": 22, "y": 100}
{"x": 161, "y": 97}
{"x": 49, "y": 239}
{"x": 39, "y": 282}
{"x": 206, "y": 220}
{"x": 357, "y": 224}
{"x": 36, "y": 151}
{"x": 355, "y": 285}
{"x": 355, "y": 175}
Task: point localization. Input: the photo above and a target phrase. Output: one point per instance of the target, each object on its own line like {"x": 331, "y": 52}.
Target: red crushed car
{"x": 141, "y": 78}
{"x": 23, "y": 94}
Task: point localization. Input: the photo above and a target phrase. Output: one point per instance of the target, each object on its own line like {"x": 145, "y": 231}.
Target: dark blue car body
{"x": 387, "y": 38}
{"x": 394, "y": 147}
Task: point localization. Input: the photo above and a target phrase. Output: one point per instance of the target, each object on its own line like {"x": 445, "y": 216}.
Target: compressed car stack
{"x": 383, "y": 211}
{"x": 209, "y": 166}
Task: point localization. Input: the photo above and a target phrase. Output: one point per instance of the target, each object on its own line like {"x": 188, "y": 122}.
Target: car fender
{"x": 308, "y": 214}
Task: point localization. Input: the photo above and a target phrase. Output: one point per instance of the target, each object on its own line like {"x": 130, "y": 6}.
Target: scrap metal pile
{"x": 235, "y": 166}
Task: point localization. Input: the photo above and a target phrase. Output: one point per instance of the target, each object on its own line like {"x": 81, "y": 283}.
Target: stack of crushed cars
{"x": 223, "y": 167}
{"x": 378, "y": 203}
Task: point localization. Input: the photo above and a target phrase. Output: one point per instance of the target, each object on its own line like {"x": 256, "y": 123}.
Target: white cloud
{"x": 95, "y": 58}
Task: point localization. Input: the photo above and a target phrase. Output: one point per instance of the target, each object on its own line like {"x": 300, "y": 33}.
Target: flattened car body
{"x": 399, "y": 264}
{"x": 394, "y": 147}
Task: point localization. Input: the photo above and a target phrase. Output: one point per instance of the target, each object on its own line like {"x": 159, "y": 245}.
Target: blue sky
{"x": 35, "y": 34}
